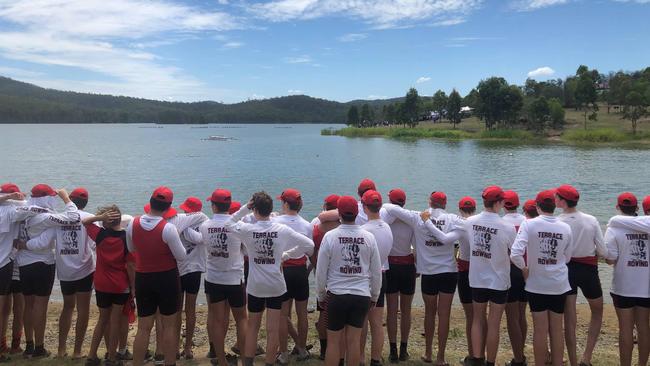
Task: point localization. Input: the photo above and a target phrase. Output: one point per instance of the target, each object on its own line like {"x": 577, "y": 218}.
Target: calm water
{"x": 122, "y": 164}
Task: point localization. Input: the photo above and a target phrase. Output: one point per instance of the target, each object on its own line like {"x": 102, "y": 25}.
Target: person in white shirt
{"x": 516, "y": 306}
{"x": 365, "y": 185}
{"x": 628, "y": 252}
{"x": 547, "y": 242}
{"x": 384, "y": 238}
{"x": 436, "y": 265}
{"x": 489, "y": 273}
{"x": 268, "y": 244}
{"x": 400, "y": 281}
{"x": 530, "y": 209}
{"x": 646, "y": 205}
{"x": 583, "y": 272}
{"x": 348, "y": 275}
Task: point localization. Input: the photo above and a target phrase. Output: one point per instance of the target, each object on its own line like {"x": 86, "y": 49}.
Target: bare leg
{"x": 467, "y": 308}
{"x": 273, "y": 319}
{"x": 596, "y": 322}
{"x": 392, "y": 307}
{"x": 114, "y": 331}
{"x": 353, "y": 341}
{"x": 29, "y": 317}
{"x": 444, "y": 312}
{"x": 333, "y": 353}
{"x": 252, "y": 331}
{"x": 430, "y": 311}
{"x": 159, "y": 334}
{"x": 83, "y": 313}
{"x": 4, "y": 317}
{"x": 376, "y": 318}
{"x": 540, "y": 336}
{"x": 557, "y": 343}
{"x": 170, "y": 344}
{"x": 219, "y": 311}
{"x": 17, "y": 324}
{"x": 625, "y": 335}
{"x": 405, "y": 304}
{"x": 570, "y": 322}
{"x": 283, "y": 327}
{"x": 303, "y": 325}
{"x": 190, "y": 322}
{"x": 642, "y": 320}
{"x": 141, "y": 343}
{"x": 513, "y": 318}
{"x": 493, "y": 330}
{"x": 240, "y": 316}
{"x": 103, "y": 322}
{"x": 40, "y": 320}
{"x": 479, "y": 326}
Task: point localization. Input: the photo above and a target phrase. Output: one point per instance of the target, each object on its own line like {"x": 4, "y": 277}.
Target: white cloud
{"x": 373, "y": 97}
{"x": 17, "y": 73}
{"x": 528, "y": 5}
{"x": 295, "y": 92}
{"x": 449, "y": 22}
{"x": 233, "y": 44}
{"x": 380, "y": 13}
{"x": 304, "y": 59}
{"x": 541, "y": 72}
{"x": 353, "y": 37}
{"x": 422, "y": 79}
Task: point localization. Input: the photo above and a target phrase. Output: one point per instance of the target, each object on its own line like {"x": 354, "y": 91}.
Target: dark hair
{"x": 546, "y": 207}
{"x": 374, "y": 208}
{"x": 490, "y": 204}
{"x": 221, "y": 207}
{"x": 569, "y": 203}
{"x": 468, "y": 210}
{"x": 329, "y": 206}
{"x": 79, "y": 202}
{"x": 437, "y": 205}
{"x": 628, "y": 210}
{"x": 102, "y": 210}
{"x": 294, "y": 205}
{"x": 263, "y": 203}
{"x": 400, "y": 204}
{"x": 348, "y": 218}
{"x": 532, "y": 213}
{"x": 513, "y": 209}
{"x": 160, "y": 206}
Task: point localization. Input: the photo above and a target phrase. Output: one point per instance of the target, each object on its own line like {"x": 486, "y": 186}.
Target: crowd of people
{"x": 366, "y": 255}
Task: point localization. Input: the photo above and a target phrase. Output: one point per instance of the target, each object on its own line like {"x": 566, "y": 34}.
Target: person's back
{"x": 148, "y": 240}
{"x": 225, "y": 262}
{"x": 383, "y": 238}
{"x": 587, "y": 236}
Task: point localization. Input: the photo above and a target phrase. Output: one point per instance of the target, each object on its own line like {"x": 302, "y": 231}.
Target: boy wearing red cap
{"x": 530, "y": 209}
{"x": 646, "y": 205}
{"x": 547, "y": 242}
{"x": 628, "y": 252}
{"x": 268, "y": 243}
{"x": 349, "y": 277}
{"x": 489, "y": 273}
{"x": 400, "y": 281}
{"x": 372, "y": 202}
{"x": 583, "y": 271}
{"x": 157, "y": 289}
{"x": 365, "y": 185}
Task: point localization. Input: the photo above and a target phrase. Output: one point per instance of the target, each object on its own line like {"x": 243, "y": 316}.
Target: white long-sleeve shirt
{"x": 641, "y": 223}
{"x": 348, "y": 263}
{"x": 187, "y": 224}
{"x": 588, "y": 239}
{"x": 548, "y": 244}
{"x": 383, "y": 237}
{"x": 169, "y": 235}
{"x": 403, "y": 239}
{"x": 267, "y": 243}
{"x": 629, "y": 248}
{"x": 8, "y": 231}
{"x": 490, "y": 239}
{"x": 514, "y": 218}
{"x": 433, "y": 256}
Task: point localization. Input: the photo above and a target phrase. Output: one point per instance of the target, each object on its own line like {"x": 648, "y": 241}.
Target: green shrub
{"x": 596, "y": 135}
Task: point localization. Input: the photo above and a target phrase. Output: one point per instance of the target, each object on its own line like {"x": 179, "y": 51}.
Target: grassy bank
{"x": 428, "y": 132}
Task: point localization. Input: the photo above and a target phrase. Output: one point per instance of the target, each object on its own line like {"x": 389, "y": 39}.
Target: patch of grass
{"x": 519, "y": 135}
{"x": 598, "y": 135}
{"x": 427, "y": 133}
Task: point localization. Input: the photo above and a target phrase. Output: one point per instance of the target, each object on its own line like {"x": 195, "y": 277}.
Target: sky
{"x": 234, "y": 50}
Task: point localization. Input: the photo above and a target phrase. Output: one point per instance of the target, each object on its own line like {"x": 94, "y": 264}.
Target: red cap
{"x": 191, "y": 204}
{"x": 163, "y": 194}
{"x": 365, "y": 185}
{"x": 9, "y": 188}
{"x": 220, "y": 196}
{"x": 492, "y": 193}
{"x": 467, "y": 202}
{"x": 510, "y": 200}
{"x": 371, "y": 197}
{"x": 332, "y": 200}
{"x": 167, "y": 215}
{"x": 234, "y": 207}
{"x": 530, "y": 205}
{"x": 646, "y": 205}
{"x": 439, "y": 198}
{"x": 42, "y": 190}
{"x": 79, "y": 193}
{"x": 347, "y": 205}
{"x": 547, "y": 197}
{"x": 627, "y": 199}
{"x": 290, "y": 195}
{"x": 397, "y": 196}
{"x": 567, "y": 192}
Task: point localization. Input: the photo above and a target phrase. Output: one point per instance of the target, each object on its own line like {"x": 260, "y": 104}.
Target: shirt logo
{"x": 548, "y": 243}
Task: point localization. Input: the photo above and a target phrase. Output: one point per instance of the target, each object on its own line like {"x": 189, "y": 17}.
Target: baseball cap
{"x": 467, "y": 202}
{"x": 9, "y": 188}
{"x": 290, "y": 195}
{"x": 171, "y": 212}
{"x": 347, "y": 205}
{"x": 220, "y": 196}
{"x": 191, "y": 204}
{"x": 646, "y": 205}
{"x": 439, "y": 198}
{"x": 545, "y": 197}
{"x": 332, "y": 200}
{"x": 510, "y": 200}
{"x": 365, "y": 185}
{"x": 163, "y": 194}
{"x": 42, "y": 190}
{"x": 627, "y": 199}
{"x": 79, "y": 193}
{"x": 371, "y": 197}
{"x": 234, "y": 207}
{"x": 492, "y": 193}
{"x": 530, "y": 205}
{"x": 397, "y": 196}
{"x": 567, "y": 192}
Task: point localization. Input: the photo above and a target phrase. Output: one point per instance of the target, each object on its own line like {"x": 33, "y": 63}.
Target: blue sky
{"x": 234, "y": 50}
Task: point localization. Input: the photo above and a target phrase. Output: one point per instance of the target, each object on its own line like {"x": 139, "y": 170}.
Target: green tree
{"x": 391, "y": 113}
{"x": 454, "y": 104}
{"x": 556, "y": 112}
{"x": 440, "y": 101}
{"x": 538, "y": 114}
{"x": 498, "y": 102}
{"x": 410, "y": 110}
{"x": 471, "y": 99}
{"x": 366, "y": 115}
{"x": 586, "y": 95}
{"x": 636, "y": 107}
{"x": 353, "y": 116}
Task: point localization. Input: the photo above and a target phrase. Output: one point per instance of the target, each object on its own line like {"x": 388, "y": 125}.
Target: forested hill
{"x": 26, "y": 103}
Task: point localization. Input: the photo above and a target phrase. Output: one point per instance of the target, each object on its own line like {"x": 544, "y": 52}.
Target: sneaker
{"x": 158, "y": 360}
{"x": 148, "y": 356}
{"x": 234, "y": 350}
{"x": 282, "y": 358}
{"x": 126, "y": 356}
{"x": 211, "y": 354}
{"x": 375, "y": 363}
{"x": 40, "y": 352}
{"x": 303, "y": 355}
{"x": 29, "y": 350}
{"x": 393, "y": 358}
{"x": 93, "y": 362}
{"x": 515, "y": 363}
{"x": 404, "y": 356}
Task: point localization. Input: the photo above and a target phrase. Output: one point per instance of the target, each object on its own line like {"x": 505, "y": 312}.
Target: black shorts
{"x": 400, "y": 278}
{"x": 246, "y": 271}
{"x": 37, "y": 279}
{"x": 157, "y": 291}
{"x": 297, "y": 280}
{"x": 381, "y": 300}
{"x": 441, "y": 282}
{"x": 191, "y": 282}
{"x": 585, "y": 277}
{"x": 517, "y": 291}
{"x": 6, "y": 273}
{"x": 464, "y": 291}
{"x": 625, "y": 302}
{"x": 258, "y": 304}
{"x": 540, "y": 302}
{"x": 483, "y": 295}
{"x": 235, "y": 294}
{"x": 107, "y": 299}
{"x": 345, "y": 310}
{"x": 16, "y": 287}
{"x": 72, "y": 287}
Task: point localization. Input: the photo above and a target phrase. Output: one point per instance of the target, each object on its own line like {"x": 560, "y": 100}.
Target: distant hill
{"x": 27, "y": 103}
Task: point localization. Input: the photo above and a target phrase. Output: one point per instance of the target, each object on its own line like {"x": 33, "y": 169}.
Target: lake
{"x": 122, "y": 164}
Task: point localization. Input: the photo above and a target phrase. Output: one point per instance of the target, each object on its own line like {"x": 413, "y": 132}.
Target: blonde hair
{"x": 102, "y": 210}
